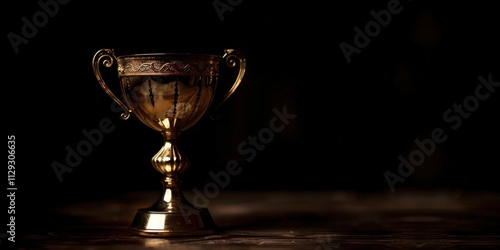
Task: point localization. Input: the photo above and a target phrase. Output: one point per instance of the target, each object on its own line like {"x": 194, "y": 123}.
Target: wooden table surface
{"x": 316, "y": 220}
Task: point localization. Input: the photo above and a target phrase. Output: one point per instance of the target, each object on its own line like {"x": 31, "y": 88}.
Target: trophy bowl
{"x": 169, "y": 93}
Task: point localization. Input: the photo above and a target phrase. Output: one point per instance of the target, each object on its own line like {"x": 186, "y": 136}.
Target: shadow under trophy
{"x": 169, "y": 92}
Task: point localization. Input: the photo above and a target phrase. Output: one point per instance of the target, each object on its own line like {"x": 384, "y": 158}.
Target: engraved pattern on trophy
{"x": 149, "y": 67}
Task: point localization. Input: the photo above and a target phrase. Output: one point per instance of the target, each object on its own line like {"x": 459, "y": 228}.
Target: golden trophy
{"x": 169, "y": 92}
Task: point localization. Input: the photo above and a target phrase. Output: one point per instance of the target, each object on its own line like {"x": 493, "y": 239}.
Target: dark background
{"x": 353, "y": 119}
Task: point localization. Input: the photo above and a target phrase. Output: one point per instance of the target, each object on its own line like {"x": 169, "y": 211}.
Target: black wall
{"x": 353, "y": 122}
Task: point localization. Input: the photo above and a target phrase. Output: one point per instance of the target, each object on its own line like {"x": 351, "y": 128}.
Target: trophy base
{"x": 189, "y": 222}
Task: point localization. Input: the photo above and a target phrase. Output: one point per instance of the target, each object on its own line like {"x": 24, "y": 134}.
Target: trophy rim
{"x": 171, "y": 55}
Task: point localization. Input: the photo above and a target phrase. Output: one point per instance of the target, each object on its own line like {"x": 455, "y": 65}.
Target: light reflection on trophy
{"x": 169, "y": 92}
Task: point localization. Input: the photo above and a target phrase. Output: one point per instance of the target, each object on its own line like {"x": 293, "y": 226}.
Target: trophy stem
{"x": 172, "y": 214}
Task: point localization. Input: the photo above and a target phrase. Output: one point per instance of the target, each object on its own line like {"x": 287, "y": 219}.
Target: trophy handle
{"x": 233, "y": 59}
{"x": 107, "y": 56}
